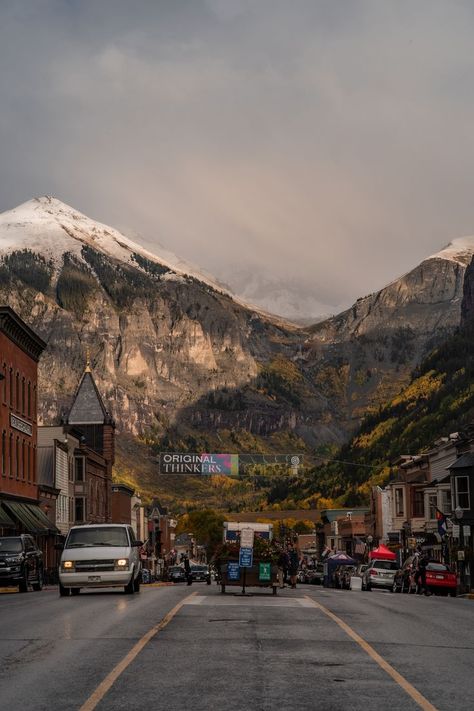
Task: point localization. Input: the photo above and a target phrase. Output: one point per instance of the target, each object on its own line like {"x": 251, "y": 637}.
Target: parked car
{"x": 201, "y": 574}
{"x": 361, "y": 568}
{"x": 316, "y": 575}
{"x": 21, "y": 563}
{"x": 176, "y": 574}
{"x": 379, "y": 574}
{"x": 440, "y": 579}
{"x": 99, "y": 556}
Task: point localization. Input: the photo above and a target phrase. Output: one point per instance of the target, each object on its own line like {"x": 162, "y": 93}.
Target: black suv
{"x": 21, "y": 563}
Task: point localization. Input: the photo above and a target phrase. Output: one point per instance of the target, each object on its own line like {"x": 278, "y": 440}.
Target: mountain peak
{"x": 458, "y": 250}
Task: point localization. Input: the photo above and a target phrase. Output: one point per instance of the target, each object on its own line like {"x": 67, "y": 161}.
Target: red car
{"x": 439, "y": 579}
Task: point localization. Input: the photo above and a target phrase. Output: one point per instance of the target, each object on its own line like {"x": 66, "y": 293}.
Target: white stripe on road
{"x": 238, "y": 600}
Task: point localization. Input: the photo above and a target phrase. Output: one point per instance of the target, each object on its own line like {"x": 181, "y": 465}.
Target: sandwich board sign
{"x": 246, "y": 557}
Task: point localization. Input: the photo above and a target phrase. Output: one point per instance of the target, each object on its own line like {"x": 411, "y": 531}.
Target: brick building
{"x": 122, "y": 503}
{"x": 20, "y": 511}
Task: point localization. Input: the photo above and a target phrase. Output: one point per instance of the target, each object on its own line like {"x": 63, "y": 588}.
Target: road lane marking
{"x": 240, "y": 601}
{"x": 391, "y": 671}
{"x": 112, "y": 677}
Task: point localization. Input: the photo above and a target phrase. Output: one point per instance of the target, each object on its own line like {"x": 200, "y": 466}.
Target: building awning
{"x": 5, "y": 519}
{"x": 31, "y": 517}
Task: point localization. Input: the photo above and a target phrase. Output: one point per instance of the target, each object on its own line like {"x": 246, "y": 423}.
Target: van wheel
{"x": 75, "y": 591}
{"x": 63, "y": 592}
{"x": 130, "y": 588}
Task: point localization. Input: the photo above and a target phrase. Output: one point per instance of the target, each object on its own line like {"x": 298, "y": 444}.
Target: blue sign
{"x": 233, "y": 571}
{"x": 246, "y": 557}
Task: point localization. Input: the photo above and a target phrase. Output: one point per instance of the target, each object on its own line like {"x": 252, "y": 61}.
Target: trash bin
{"x": 355, "y": 583}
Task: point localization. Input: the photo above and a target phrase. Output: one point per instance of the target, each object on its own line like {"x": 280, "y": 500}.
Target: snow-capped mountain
{"x": 50, "y": 227}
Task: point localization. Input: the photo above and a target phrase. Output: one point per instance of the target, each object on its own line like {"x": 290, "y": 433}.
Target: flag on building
{"x": 359, "y": 548}
{"x": 442, "y": 525}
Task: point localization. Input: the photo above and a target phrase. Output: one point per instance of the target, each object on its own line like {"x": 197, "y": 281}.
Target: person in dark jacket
{"x": 293, "y": 564}
{"x": 187, "y": 570}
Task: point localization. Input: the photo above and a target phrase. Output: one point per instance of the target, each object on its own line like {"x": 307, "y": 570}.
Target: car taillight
{"x": 373, "y": 572}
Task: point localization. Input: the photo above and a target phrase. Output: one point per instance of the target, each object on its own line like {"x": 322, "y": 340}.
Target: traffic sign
{"x": 246, "y": 557}
{"x": 265, "y": 571}
{"x": 233, "y": 571}
{"x": 246, "y": 538}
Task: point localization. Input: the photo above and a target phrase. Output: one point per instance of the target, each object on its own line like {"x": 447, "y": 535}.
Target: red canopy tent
{"x": 382, "y": 553}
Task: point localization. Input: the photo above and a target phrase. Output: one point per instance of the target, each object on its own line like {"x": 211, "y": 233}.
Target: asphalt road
{"x": 235, "y": 653}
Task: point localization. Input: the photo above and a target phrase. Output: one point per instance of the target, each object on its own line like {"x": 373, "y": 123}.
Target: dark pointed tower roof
{"x": 88, "y": 407}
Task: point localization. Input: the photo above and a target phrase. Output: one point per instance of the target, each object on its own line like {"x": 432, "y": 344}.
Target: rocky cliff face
{"x": 171, "y": 348}
{"x": 467, "y": 309}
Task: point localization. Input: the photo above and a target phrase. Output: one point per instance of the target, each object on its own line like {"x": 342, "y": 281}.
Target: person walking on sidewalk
{"x": 293, "y": 564}
{"x": 187, "y": 570}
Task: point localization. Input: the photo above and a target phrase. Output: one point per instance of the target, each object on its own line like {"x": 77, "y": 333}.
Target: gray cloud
{"x": 326, "y": 144}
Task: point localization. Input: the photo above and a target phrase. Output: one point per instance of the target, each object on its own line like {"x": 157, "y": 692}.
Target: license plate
{"x": 94, "y": 578}
{"x": 440, "y": 577}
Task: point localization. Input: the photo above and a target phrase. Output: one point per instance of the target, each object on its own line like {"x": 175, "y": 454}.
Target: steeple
{"x": 87, "y": 406}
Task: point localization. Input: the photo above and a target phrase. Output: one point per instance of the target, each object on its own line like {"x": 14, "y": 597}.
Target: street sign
{"x": 246, "y": 538}
{"x": 456, "y": 530}
{"x": 466, "y": 531}
{"x": 246, "y": 557}
{"x": 233, "y": 571}
{"x": 461, "y": 555}
{"x": 411, "y": 542}
{"x": 265, "y": 571}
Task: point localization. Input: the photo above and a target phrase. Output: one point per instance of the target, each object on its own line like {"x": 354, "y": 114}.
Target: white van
{"x": 98, "y": 556}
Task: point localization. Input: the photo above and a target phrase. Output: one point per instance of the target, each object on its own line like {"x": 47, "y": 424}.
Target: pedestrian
{"x": 293, "y": 564}
{"x": 187, "y": 570}
{"x": 282, "y": 564}
{"x": 422, "y": 563}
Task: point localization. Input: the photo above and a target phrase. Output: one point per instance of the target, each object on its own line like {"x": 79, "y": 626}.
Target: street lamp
{"x": 370, "y": 540}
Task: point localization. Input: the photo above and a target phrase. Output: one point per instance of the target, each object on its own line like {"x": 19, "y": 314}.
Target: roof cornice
{"x": 20, "y": 333}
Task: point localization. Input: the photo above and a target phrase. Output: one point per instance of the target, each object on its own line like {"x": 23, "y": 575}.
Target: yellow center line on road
{"x": 112, "y": 677}
{"x": 396, "y": 676}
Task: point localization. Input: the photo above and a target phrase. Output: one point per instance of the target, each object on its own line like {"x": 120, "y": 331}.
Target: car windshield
{"x": 385, "y": 565}
{"x": 437, "y": 566}
{"x": 97, "y": 536}
{"x": 10, "y": 545}
{"x": 176, "y": 568}
{"x": 199, "y": 567}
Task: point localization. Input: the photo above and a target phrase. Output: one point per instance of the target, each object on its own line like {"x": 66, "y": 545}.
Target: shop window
{"x": 399, "y": 506}
{"x": 4, "y": 385}
{"x": 4, "y": 453}
{"x": 79, "y": 509}
{"x": 17, "y": 392}
{"x": 23, "y": 400}
{"x": 446, "y": 502}
{"x": 17, "y": 457}
{"x": 10, "y": 457}
{"x": 79, "y": 468}
{"x": 418, "y": 504}
{"x": 28, "y": 404}
{"x": 10, "y": 379}
{"x": 462, "y": 492}
{"x": 432, "y": 506}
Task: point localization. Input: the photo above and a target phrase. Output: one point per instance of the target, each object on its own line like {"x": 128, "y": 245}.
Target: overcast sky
{"x": 328, "y": 143}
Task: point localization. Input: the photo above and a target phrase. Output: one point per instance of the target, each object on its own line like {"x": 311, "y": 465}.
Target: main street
{"x": 308, "y": 648}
